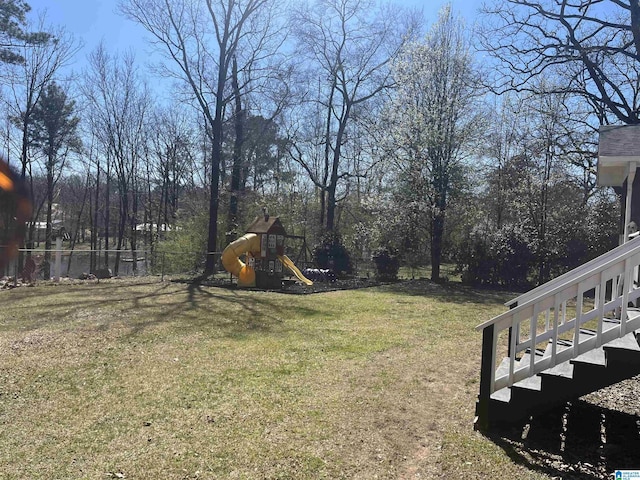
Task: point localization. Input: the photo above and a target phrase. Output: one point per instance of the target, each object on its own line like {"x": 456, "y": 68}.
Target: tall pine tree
{"x": 13, "y": 19}
{"x": 54, "y": 131}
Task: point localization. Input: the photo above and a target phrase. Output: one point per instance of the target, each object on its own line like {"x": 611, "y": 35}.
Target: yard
{"x": 149, "y": 379}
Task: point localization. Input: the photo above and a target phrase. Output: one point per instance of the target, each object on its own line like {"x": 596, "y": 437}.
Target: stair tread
{"x": 628, "y": 342}
{"x": 503, "y": 368}
{"x": 587, "y": 333}
{"x": 594, "y": 357}
{"x": 502, "y": 395}
{"x": 564, "y": 369}
{"x": 574, "y": 377}
{"x": 526, "y": 357}
{"x": 611, "y": 320}
{"x": 530, "y": 383}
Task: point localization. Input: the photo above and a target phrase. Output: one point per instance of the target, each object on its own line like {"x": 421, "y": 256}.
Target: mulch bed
{"x": 292, "y": 287}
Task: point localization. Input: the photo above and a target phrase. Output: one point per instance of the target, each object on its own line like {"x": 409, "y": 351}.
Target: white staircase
{"x": 568, "y": 337}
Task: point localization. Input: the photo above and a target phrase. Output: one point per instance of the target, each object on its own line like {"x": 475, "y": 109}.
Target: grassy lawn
{"x": 153, "y": 379}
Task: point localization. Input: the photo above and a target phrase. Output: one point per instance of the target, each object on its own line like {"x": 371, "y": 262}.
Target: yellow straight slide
{"x": 286, "y": 261}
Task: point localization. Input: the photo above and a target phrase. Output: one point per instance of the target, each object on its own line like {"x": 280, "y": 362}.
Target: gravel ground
{"x": 589, "y": 438}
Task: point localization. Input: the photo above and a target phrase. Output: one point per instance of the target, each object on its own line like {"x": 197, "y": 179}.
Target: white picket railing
{"x": 597, "y": 293}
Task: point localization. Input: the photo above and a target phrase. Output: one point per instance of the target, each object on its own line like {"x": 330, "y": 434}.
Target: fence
{"x": 80, "y": 263}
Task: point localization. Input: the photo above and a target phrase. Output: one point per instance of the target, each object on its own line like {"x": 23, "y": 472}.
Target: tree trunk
{"x": 134, "y": 224}
{"x": 335, "y": 163}
{"x": 107, "y": 214}
{"x": 236, "y": 169}
{"x": 331, "y": 207}
{"x": 323, "y": 205}
{"x": 216, "y": 161}
{"x": 95, "y": 227}
{"x": 210, "y": 263}
{"x": 24, "y": 160}
{"x": 49, "y": 229}
{"x": 79, "y": 225}
{"x": 437, "y": 234}
{"x": 122, "y": 224}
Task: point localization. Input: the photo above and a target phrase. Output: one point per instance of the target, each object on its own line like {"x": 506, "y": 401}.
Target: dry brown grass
{"x": 161, "y": 380}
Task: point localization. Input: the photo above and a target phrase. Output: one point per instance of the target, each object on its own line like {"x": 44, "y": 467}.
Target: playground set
{"x": 263, "y": 246}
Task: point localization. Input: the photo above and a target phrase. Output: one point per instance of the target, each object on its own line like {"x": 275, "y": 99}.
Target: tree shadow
{"x": 577, "y": 440}
{"x": 144, "y": 304}
{"x": 450, "y": 292}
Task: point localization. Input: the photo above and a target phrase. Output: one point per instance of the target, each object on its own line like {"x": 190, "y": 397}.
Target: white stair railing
{"x": 548, "y": 320}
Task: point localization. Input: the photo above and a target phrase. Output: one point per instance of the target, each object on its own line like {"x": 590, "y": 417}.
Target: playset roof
{"x": 266, "y": 224}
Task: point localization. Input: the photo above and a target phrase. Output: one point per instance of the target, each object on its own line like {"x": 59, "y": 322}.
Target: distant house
{"x": 153, "y": 227}
{"x": 57, "y": 226}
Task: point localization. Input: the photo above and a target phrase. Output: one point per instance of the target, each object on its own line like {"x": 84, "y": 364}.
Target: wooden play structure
{"x": 265, "y": 263}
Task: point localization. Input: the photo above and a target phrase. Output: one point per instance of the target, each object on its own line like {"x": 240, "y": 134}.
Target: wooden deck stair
{"x": 571, "y": 336}
{"x": 598, "y": 368}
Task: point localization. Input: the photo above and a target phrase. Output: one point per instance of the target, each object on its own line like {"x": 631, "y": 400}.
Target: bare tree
{"x": 542, "y": 170}
{"x": 347, "y": 46}
{"x": 593, "y": 45}
{"x": 119, "y": 103}
{"x": 172, "y": 150}
{"x": 199, "y": 40}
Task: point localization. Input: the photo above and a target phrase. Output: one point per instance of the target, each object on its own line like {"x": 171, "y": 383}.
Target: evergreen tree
{"x": 54, "y": 131}
{"x": 12, "y": 31}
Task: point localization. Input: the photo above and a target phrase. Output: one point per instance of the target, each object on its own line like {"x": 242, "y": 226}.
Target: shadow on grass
{"x": 145, "y": 304}
{"x": 450, "y": 292}
{"x": 194, "y": 305}
{"x": 575, "y": 441}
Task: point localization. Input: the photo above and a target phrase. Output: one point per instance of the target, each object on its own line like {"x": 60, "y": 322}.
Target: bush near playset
{"x": 330, "y": 253}
{"x": 387, "y": 263}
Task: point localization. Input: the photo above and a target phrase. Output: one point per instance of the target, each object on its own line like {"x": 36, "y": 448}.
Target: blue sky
{"x": 93, "y": 20}
{"x": 96, "y": 20}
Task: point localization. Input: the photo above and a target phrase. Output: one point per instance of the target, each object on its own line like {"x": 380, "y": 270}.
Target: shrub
{"x": 387, "y": 263}
{"x": 513, "y": 256}
{"x": 474, "y": 260}
{"x": 183, "y": 249}
{"x": 503, "y": 257}
{"x": 331, "y": 253}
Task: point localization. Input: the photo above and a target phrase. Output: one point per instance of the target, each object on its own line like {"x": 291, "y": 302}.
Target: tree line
{"x": 354, "y": 120}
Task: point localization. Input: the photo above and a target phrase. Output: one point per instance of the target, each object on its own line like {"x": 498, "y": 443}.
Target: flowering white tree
{"x": 431, "y": 120}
